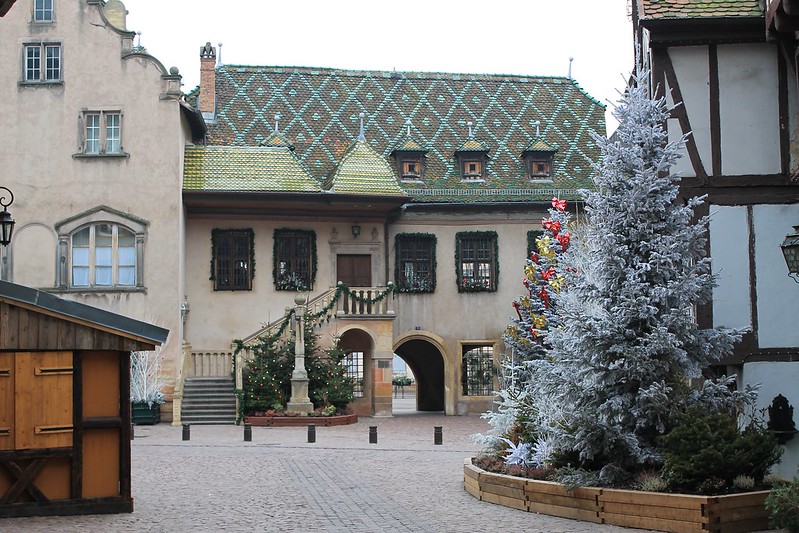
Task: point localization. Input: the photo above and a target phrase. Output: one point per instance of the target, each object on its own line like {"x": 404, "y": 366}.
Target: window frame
{"x": 99, "y": 215}
{"x": 475, "y": 272}
{"x": 246, "y": 258}
{"x": 47, "y": 13}
{"x": 287, "y": 280}
{"x": 353, "y": 363}
{"x": 99, "y": 122}
{"x": 533, "y": 160}
{"x": 42, "y": 68}
{"x": 408, "y": 249}
{"x": 478, "y": 382}
{"x": 94, "y": 264}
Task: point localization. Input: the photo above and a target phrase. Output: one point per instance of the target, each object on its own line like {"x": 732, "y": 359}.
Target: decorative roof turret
{"x": 363, "y": 170}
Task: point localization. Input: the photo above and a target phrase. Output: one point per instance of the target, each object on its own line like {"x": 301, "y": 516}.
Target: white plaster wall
{"x": 749, "y": 109}
{"x": 777, "y": 294}
{"x": 729, "y": 249}
{"x": 36, "y": 241}
{"x": 774, "y": 379}
{"x": 691, "y": 66}
{"x": 39, "y": 136}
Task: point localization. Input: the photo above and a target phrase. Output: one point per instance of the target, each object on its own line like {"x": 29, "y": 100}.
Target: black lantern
{"x": 356, "y": 230}
{"x": 780, "y": 419}
{"x": 790, "y": 249}
{"x": 6, "y": 222}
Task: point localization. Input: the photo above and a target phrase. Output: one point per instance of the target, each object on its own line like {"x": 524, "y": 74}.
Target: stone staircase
{"x": 208, "y": 401}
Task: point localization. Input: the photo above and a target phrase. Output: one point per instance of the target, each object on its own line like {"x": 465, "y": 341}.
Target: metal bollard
{"x": 311, "y": 432}
{"x": 438, "y": 435}
{"x": 186, "y": 432}
{"x": 247, "y": 432}
{"x": 372, "y": 434}
{"x": 131, "y": 430}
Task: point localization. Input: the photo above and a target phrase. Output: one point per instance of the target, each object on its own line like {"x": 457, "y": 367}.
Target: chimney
{"x": 207, "y": 102}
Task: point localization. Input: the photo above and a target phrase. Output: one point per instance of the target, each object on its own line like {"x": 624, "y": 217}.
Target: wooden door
{"x": 43, "y": 398}
{"x": 354, "y": 270}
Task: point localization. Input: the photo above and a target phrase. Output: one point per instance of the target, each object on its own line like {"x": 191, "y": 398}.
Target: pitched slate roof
{"x": 662, "y": 9}
{"x": 321, "y": 106}
{"x": 239, "y": 168}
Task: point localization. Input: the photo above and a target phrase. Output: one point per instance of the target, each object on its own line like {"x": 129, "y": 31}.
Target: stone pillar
{"x": 382, "y": 368}
{"x": 299, "y": 402}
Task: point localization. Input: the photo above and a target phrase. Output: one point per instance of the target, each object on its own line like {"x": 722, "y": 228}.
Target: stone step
{"x": 208, "y": 401}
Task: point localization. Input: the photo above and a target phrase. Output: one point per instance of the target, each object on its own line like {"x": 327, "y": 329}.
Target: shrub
{"x": 783, "y": 504}
{"x": 707, "y": 452}
{"x": 652, "y": 481}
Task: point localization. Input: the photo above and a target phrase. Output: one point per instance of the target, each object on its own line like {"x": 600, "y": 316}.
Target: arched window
{"x": 101, "y": 249}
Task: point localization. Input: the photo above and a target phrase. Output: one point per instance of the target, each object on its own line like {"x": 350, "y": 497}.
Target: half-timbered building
{"x": 731, "y": 66}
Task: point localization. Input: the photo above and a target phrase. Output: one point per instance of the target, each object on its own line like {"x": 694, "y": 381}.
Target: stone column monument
{"x": 299, "y": 402}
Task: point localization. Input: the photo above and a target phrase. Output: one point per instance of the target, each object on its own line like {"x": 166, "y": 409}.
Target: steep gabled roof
{"x": 238, "y": 168}
{"x": 5, "y": 5}
{"x": 364, "y": 171}
{"x": 320, "y": 110}
{"x": 683, "y": 9}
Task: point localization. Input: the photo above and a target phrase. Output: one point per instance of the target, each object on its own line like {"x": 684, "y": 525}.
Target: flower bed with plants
{"x": 287, "y": 420}
{"x": 630, "y": 508}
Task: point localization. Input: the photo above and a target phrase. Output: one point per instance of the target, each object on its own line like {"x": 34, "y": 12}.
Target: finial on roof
{"x": 470, "y": 129}
{"x": 219, "y": 57}
{"x": 536, "y": 123}
{"x": 408, "y": 124}
{"x": 277, "y": 122}
{"x": 361, "y": 136}
{"x": 570, "y": 67}
{"x": 138, "y": 34}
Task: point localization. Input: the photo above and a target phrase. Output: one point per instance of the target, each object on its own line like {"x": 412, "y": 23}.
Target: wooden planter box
{"x": 679, "y": 513}
{"x": 295, "y": 421}
{"x": 143, "y": 414}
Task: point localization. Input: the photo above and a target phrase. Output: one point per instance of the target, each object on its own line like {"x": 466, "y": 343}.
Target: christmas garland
{"x": 294, "y": 283}
{"x": 402, "y": 283}
{"x": 217, "y": 231}
{"x": 471, "y": 284}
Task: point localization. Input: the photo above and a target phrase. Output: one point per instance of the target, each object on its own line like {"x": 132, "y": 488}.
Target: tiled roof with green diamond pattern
{"x": 682, "y": 9}
{"x": 409, "y": 144}
{"x": 239, "y": 168}
{"x": 473, "y": 145}
{"x": 321, "y": 106}
{"x": 363, "y": 171}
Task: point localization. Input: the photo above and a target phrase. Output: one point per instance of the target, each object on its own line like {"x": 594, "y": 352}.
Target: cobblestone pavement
{"x": 280, "y": 482}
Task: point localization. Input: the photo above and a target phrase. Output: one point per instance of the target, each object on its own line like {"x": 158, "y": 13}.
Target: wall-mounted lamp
{"x": 780, "y": 419}
{"x": 790, "y": 249}
{"x": 6, "y": 222}
{"x": 356, "y": 230}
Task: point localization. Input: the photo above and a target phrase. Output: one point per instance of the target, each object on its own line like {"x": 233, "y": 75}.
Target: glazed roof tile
{"x": 363, "y": 171}
{"x": 473, "y": 145}
{"x": 681, "y": 9}
{"x": 239, "y": 168}
{"x": 321, "y": 106}
{"x": 409, "y": 144}
{"x": 540, "y": 145}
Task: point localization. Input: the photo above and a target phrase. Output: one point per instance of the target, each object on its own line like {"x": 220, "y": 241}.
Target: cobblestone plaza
{"x": 280, "y": 482}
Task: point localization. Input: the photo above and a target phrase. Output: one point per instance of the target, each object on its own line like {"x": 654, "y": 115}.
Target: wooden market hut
{"x": 65, "y": 404}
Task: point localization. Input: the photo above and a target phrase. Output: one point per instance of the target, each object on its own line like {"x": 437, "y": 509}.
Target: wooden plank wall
{"x": 23, "y": 329}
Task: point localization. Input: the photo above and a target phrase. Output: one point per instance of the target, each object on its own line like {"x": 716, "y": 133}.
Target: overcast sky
{"x": 525, "y": 37}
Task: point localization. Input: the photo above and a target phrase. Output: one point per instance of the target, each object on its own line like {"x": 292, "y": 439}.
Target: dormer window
{"x": 411, "y": 169}
{"x": 409, "y": 157}
{"x": 471, "y": 169}
{"x": 539, "y": 169}
{"x": 472, "y": 157}
{"x": 538, "y": 159}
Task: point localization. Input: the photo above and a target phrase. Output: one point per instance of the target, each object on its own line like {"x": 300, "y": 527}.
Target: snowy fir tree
{"x": 629, "y": 342}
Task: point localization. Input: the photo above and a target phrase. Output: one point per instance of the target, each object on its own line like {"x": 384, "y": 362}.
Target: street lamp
{"x": 790, "y": 249}
{"x": 6, "y": 222}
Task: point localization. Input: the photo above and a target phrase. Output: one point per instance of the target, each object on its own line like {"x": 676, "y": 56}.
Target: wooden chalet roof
{"x": 35, "y": 320}
{"x": 320, "y": 108}
{"x": 683, "y": 9}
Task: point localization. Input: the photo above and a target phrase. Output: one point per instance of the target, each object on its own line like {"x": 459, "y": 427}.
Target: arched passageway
{"x": 427, "y": 365}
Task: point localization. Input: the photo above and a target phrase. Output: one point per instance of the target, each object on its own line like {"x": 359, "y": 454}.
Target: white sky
{"x": 525, "y": 37}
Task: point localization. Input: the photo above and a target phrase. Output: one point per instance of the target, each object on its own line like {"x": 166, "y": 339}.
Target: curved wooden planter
{"x": 295, "y": 421}
{"x": 680, "y": 513}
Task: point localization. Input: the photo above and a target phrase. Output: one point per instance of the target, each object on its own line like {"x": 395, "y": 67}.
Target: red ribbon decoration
{"x": 560, "y": 205}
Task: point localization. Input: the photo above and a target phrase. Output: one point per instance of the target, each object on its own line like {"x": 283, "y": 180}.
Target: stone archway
{"x": 427, "y": 364}
{"x": 359, "y": 346}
